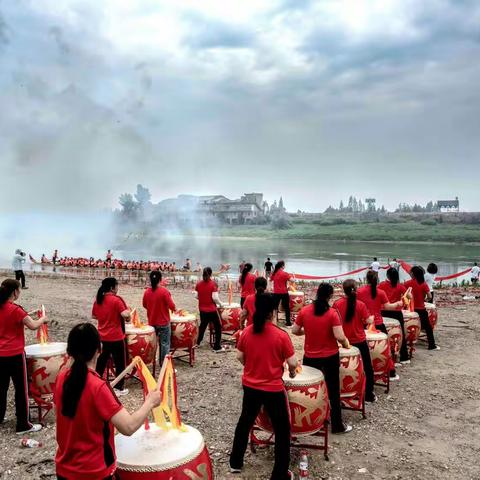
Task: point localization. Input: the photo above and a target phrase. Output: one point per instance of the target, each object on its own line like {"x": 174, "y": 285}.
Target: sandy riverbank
{"x": 427, "y": 427}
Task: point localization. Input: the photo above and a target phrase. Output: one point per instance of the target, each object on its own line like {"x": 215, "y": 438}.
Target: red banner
{"x": 407, "y": 267}
{"x": 299, "y": 276}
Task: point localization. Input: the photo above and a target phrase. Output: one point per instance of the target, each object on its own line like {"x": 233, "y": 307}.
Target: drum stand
{"x": 41, "y": 404}
{"x": 356, "y": 403}
{"x": 384, "y": 380}
{"x": 188, "y": 352}
{"x": 256, "y": 441}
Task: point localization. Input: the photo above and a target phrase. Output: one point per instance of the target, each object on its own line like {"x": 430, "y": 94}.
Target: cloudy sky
{"x": 314, "y": 100}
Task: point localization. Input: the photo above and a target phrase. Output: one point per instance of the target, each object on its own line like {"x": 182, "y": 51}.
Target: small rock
{"x": 362, "y": 470}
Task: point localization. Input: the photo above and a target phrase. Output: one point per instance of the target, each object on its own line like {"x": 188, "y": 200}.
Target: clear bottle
{"x": 30, "y": 443}
{"x": 303, "y": 465}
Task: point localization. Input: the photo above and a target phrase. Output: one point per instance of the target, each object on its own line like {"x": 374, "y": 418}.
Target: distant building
{"x": 449, "y": 205}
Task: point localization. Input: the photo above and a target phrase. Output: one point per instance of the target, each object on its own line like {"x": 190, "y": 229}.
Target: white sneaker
{"x": 395, "y": 378}
{"x": 220, "y": 350}
{"x": 405, "y": 362}
{"x": 235, "y": 470}
{"x": 436, "y": 348}
{"x": 121, "y": 393}
{"x": 36, "y": 427}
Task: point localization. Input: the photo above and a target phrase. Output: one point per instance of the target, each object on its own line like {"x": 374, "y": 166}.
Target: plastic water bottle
{"x": 303, "y": 465}
{"x": 30, "y": 443}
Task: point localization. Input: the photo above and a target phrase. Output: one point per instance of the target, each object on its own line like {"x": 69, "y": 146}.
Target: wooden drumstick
{"x": 125, "y": 372}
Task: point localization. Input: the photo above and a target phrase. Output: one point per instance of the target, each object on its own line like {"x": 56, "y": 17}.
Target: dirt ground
{"x": 427, "y": 427}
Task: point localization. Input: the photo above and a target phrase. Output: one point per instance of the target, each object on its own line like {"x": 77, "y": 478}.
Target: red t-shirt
{"x": 418, "y": 291}
{"x": 319, "y": 339}
{"x": 354, "y": 329}
{"x": 248, "y": 287}
{"x": 394, "y": 294}
{"x": 12, "y": 335}
{"x": 265, "y": 353}
{"x": 374, "y": 305}
{"x": 86, "y": 449}
{"x": 249, "y": 306}
{"x": 280, "y": 280}
{"x": 205, "y": 290}
{"x": 111, "y": 325}
{"x": 158, "y": 303}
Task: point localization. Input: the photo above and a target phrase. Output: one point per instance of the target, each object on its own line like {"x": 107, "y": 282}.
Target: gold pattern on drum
{"x": 202, "y": 473}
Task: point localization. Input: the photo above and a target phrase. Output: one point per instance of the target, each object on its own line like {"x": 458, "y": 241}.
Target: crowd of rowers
{"x": 87, "y": 409}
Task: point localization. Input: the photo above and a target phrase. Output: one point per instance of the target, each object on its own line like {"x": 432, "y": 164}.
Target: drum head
{"x": 226, "y": 306}
{"x": 46, "y": 349}
{"x": 430, "y": 306}
{"x": 349, "y": 352}
{"x": 375, "y": 336}
{"x": 308, "y": 376}
{"x": 130, "y": 329}
{"x": 185, "y": 318}
{"x": 157, "y": 449}
{"x": 391, "y": 322}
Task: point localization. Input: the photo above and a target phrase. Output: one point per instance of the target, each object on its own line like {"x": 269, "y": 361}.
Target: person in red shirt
{"x": 87, "y": 410}
{"x": 395, "y": 292}
{"x": 111, "y": 311}
{"x": 206, "y": 291}
{"x": 280, "y": 280}
{"x": 247, "y": 283}
{"x": 376, "y": 301}
{"x": 158, "y": 302}
{"x": 263, "y": 349}
{"x": 420, "y": 290}
{"x": 322, "y": 328}
{"x": 355, "y": 317}
{"x": 13, "y": 320}
{"x": 249, "y": 305}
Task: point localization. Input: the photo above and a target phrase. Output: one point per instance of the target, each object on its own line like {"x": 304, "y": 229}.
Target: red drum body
{"x": 308, "y": 401}
{"x": 412, "y": 327}
{"x": 141, "y": 342}
{"x": 395, "y": 335}
{"x": 184, "y": 331}
{"x": 380, "y": 354}
{"x": 432, "y": 314}
{"x": 297, "y": 302}
{"x": 352, "y": 375}
{"x": 156, "y": 454}
{"x": 230, "y": 317}
{"x": 44, "y": 361}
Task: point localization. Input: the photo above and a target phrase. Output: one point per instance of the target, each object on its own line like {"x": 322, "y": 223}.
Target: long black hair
{"x": 246, "y": 269}
{"x": 432, "y": 268}
{"x": 155, "y": 278}
{"x": 418, "y": 274}
{"x": 207, "y": 273}
{"x": 372, "y": 280}
{"x": 108, "y": 284}
{"x": 82, "y": 344}
{"x": 264, "y": 307}
{"x": 350, "y": 290}
{"x": 393, "y": 276}
{"x": 280, "y": 264}
{"x": 260, "y": 285}
{"x": 324, "y": 293}
{"x": 7, "y": 287}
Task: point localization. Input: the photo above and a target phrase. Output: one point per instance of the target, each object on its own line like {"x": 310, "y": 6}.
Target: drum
{"x": 432, "y": 314}
{"x": 412, "y": 327}
{"x": 395, "y": 335}
{"x": 44, "y": 361}
{"x": 379, "y": 353}
{"x": 141, "y": 342}
{"x": 156, "y": 454}
{"x": 184, "y": 331}
{"x": 352, "y": 376}
{"x": 308, "y": 400}
{"x": 230, "y": 316}
{"x": 297, "y": 302}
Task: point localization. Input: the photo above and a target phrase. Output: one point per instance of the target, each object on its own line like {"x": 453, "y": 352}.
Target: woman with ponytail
{"x": 247, "y": 282}
{"x": 280, "y": 280}
{"x": 13, "y": 320}
{"x": 111, "y": 312}
{"x": 87, "y": 410}
{"x": 355, "y": 317}
{"x": 395, "y": 292}
{"x": 322, "y": 328}
{"x": 158, "y": 302}
{"x": 420, "y": 291}
{"x": 249, "y": 305}
{"x": 263, "y": 348}
{"x": 206, "y": 291}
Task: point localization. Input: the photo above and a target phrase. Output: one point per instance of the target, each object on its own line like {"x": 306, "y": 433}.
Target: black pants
{"x": 20, "y": 276}
{"x": 276, "y": 406}
{"x": 118, "y": 351}
{"x": 15, "y": 367}
{"x": 398, "y": 315}
{"x": 205, "y": 319}
{"x": 383, "y": 328}
{"x": 423, "y": 314}
{"x": 285, "y": 299}
{"x": 330, "y": 366}
{"x": 367, "y": 368}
